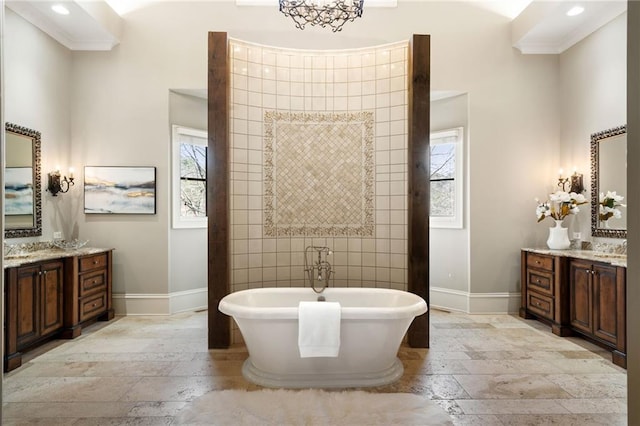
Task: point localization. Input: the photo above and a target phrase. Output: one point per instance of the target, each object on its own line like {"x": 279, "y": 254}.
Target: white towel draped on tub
{"x": 319, "y": 329}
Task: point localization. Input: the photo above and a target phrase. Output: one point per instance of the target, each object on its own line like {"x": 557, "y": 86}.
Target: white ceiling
{"x": 544, "y": 27}
{"x": 90, "y": 25}
{"x": 538, "y": 26}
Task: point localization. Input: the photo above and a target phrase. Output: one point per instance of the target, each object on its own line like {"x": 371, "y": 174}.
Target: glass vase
{"x": 558, "y": 237}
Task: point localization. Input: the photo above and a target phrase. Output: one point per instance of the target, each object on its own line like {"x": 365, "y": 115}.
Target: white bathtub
{"x": 373, "y": 323}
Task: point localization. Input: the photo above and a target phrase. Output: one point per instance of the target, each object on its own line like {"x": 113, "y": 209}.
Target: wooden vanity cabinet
{"x": 544, "y": 290}
{"x": 33, "y": 307}
{"x": 89, "y": 295}
{"x": 54, "y": 298}
{"x": 598, "y": 308}
{"x": 577, "y": 295}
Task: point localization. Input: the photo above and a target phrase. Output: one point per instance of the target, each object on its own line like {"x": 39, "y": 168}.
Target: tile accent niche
{"x": 318, "y": 156}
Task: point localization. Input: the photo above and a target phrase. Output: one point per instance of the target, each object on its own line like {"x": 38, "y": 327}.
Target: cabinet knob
{"x": 95, "y": 262}
{"x": 538, "y": 281}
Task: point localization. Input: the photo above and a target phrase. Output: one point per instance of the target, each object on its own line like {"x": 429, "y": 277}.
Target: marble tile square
{"x": 45, "y": 421}
{"x": 594, "y": 405}
{"x": 564, "y": 420}
{"x": 582, "y": 366}
{"x": 512, "y": 406}
{"x": 207, "y": 367}
{"x": 125, "y": 421}
{"x": 43, "y": 410}
{"x": 63, "y": 389}
{"x": 475, "y": 420}
{"x": 179, "y": 388}
{"x": 592, "y": 385}
{"x": 511, "y": 386}
{"x": 510, "y": 366}
{"x": 443, "y": 387}
{"x": 97, "y": 369}
{"x": 434, "y": 366}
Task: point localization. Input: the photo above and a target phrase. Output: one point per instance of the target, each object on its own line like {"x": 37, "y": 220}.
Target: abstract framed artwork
{"x": 119, "y": 190}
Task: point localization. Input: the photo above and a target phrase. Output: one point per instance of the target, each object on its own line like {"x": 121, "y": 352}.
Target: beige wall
{"x": 592, "y": 99}
{"x": 187, "y": 247}
{"x": 37, "y": 96}
{"x": 449, "y": 248}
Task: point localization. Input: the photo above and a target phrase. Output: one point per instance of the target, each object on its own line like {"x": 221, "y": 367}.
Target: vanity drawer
{"x": 93, "y": 282}
{"x": 540, "y": 261}
{"x": 540, "y": 281}
{"x": 540, "y": 305}
{"x": 96, "y": 261}
{"x": 92, "y": 306}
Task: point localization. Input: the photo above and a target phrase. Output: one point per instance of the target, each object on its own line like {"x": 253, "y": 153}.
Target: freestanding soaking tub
{"x": 373, "y": 323}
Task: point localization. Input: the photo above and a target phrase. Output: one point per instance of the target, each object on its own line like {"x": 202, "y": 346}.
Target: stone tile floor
{"x": 483, "y": 369}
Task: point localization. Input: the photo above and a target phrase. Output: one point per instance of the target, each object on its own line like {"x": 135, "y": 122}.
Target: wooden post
{"x": 218, "y": 189}
{"x": 418, "y": 172}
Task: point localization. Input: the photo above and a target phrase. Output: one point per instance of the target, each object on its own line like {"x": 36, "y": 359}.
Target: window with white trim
{"x": 446, "y": 176}
{"x": 189, "y": 171}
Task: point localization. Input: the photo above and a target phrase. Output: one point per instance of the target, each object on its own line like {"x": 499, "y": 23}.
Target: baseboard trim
{"x": 449, "y": 300}
{"x": 196, "y": 299}
{"x": 494, "y": 303}
{"x": 188, "y": 300}
{"x": 160, "y": 304}
{"x": 474, "y": 303}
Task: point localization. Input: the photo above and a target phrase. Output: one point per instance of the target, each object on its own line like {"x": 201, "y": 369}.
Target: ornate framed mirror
{"x": 609, "y": 180}
{"x": 22, "y": 203}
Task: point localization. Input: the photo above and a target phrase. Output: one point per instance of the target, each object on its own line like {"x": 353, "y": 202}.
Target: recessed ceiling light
{"x": 58, "y": 8}
{"x": 575, "y": 10}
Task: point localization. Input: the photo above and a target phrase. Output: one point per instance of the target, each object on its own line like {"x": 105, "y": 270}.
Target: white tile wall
{"x": 267, "y": 78}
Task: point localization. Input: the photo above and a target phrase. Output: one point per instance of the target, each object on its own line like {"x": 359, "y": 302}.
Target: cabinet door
{"x": 580, "y": 289}
{"x": 605, "y": 303}
{"x": 28, "y": 324}
{"x": 51, "y": 279}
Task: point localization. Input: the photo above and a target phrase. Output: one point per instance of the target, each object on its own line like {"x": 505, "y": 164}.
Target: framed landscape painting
{"x": 119, "y": 190}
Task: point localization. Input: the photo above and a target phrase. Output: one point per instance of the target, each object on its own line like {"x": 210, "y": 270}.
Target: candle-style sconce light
{"x": 562, "y": 181}
{"x": 59, "y": 183}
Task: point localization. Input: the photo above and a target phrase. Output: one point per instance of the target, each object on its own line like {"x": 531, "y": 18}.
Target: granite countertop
{"x": 615, "y": 259}
{"x": 47, "y": 254}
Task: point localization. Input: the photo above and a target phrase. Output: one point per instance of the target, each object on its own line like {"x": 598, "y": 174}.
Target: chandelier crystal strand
{"x": 325, "y": 13}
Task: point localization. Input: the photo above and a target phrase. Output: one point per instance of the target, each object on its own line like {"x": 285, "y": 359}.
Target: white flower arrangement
{"x": 560, "y": 205}
{"x": 608, "y": 205}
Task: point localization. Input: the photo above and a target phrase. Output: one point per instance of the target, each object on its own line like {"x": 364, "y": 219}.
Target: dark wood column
{"x": 218, "y": 189}
{"x": 418, "y": 165}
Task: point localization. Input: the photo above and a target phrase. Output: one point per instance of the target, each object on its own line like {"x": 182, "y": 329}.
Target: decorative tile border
{"x": 318, "y": 174}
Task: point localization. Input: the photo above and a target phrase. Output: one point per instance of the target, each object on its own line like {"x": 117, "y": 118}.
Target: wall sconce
{"x": 562, "y": 181}
{"x": 576, "y": 182}
{"x": 59, "y": 183}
